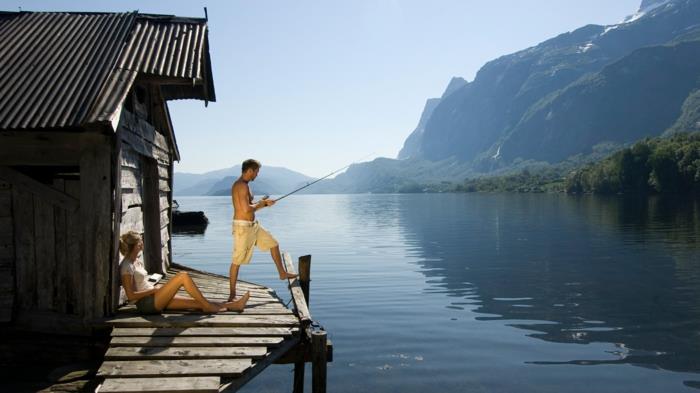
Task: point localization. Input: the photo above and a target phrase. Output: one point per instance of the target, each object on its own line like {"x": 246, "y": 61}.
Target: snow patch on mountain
{"x": 646, "y": 8}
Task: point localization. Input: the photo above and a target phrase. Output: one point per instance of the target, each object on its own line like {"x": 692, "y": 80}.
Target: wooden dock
{"x": 195, "y": 352}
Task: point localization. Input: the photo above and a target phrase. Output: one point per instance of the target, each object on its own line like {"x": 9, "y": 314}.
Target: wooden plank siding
{"x": 146, "y": 187}
{"x": 144, "y": 138}
{"x": 45, "y": 253}
{"x": 131, "y": 188}
{"x": 74, "y": 290}
{"x": 26, "y": 283}
{"x": 41, "y": 251}
{"x": 7, "y": 253}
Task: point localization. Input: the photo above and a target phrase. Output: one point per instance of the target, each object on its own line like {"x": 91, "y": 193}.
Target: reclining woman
{"x": 151, "y": 299}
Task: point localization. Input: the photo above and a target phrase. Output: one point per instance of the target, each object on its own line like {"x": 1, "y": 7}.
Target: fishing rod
{"x": 318, "y": 180}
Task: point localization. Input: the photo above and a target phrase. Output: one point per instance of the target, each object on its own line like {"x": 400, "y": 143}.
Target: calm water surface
{"x": 485, "y": 293}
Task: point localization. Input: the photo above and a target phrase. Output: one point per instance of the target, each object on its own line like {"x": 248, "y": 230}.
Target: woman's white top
{"x": 136, "y": 269}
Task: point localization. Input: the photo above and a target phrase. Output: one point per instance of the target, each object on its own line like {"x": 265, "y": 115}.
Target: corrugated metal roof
{"x": 61, "y": 70}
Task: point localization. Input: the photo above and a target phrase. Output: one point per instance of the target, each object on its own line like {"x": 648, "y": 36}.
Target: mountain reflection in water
{"x": 485, "y": 292}
{"x": 557, "y": 276}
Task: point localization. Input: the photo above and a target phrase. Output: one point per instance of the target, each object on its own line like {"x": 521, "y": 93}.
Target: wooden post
{"x": 298, "y": 377}
{"x": 304, "y": 279}
{"x": 151, "y": 216}
{"x": 318, "y": 361}
{"x": 116, "y": 221}
{"x": 96, "y": 221}
{"x": 305, "y": 276}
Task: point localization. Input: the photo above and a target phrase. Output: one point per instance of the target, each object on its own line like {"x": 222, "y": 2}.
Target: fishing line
{"x": 318, "y": 180}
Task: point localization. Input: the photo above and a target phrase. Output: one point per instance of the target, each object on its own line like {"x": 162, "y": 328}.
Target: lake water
{"x": 484, "y": 292}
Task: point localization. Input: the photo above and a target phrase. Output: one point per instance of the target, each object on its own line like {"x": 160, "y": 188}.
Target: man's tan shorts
{"x": 247, "y": 234}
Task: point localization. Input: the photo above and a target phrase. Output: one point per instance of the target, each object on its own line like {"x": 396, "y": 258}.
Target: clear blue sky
{"x": 315, "y": 85}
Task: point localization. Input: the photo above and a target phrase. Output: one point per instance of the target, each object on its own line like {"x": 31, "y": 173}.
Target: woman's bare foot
{"x": 239, "y": 304}
{"x": 287, "y": 276}
{"x": 214, "y": 308}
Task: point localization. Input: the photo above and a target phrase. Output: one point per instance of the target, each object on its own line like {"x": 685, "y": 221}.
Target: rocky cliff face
{"x": 412, "y": 146}
{"x": 502, "y": 107}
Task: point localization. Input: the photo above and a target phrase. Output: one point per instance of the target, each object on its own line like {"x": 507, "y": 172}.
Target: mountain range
{"x": 578, "y": 95}
{"x": 271, "y": 181}
{"x": 562, "y": 97}
{"x": 571, "y": 99}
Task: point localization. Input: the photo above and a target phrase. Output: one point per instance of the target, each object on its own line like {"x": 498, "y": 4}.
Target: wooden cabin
{"x": 86, "y": 152}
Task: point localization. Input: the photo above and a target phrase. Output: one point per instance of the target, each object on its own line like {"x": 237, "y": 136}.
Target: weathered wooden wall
{"x": 146, "y": 187}
{"x": 48, "y": 267}
{"x": 7, "y": 253}
{"x": 132, "y": 190}
{"x": 59, "y": 217}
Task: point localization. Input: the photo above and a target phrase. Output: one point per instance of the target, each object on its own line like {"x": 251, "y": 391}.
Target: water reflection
{"x": 570, "y": 270}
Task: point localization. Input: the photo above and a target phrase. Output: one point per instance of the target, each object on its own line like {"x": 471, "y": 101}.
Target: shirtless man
{"x": 247, "y": 232}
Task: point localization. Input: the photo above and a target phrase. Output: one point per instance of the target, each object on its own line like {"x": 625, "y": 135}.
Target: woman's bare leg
{"x": 186, "y": 303}
{"x": 167, "y": 292}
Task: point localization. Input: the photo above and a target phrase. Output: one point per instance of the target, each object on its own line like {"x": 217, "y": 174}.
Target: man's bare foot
{"x": 231, "y": 296}
{"x": 239, "y": 304}
{"x": 287, "y": 276}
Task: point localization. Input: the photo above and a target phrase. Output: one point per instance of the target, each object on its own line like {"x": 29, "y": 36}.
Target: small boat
{"x": 188, "y": 222}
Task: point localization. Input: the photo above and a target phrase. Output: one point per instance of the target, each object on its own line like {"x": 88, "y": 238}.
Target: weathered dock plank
{"x": 203, "y": 331}
{"x": 181, "y": 368}
{"x": 200, "y": 320}
{"x": 233, "y": 347}
{"x": 195, "y": 341}
{"x": 161, "y": 385}
{"x": 174, "y": 352}
{"x": 297, "y": 293}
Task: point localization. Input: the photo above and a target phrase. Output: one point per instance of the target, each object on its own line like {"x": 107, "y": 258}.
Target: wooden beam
{"x": 260, "y": 365}
{"x": 298, "y": 355}
{"x": 74, "y": 269}
{"x": 25, "y": 257}
{"x": 45, "y": 251}
{"x": 39, "y": 148}
{"x": 302, "y": 354}
{"x": 60, "y": 280}
{"x": 153, "y": 254}
{"x": 305, "y": 276}
{"x": 297, "y": 293}
{"x": 5, "y": 203}
{"x": 299, "y": 371}
{"x": 114, "y": 276}
{"x": 96, "y": 195}
{"x": 39, "y": 189}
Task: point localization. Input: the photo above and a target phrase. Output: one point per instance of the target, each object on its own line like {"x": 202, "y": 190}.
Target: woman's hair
{"x": 127, "y": 241}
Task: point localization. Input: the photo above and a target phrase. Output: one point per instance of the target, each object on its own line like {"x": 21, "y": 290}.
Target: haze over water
{"x": 484, "y": 292}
